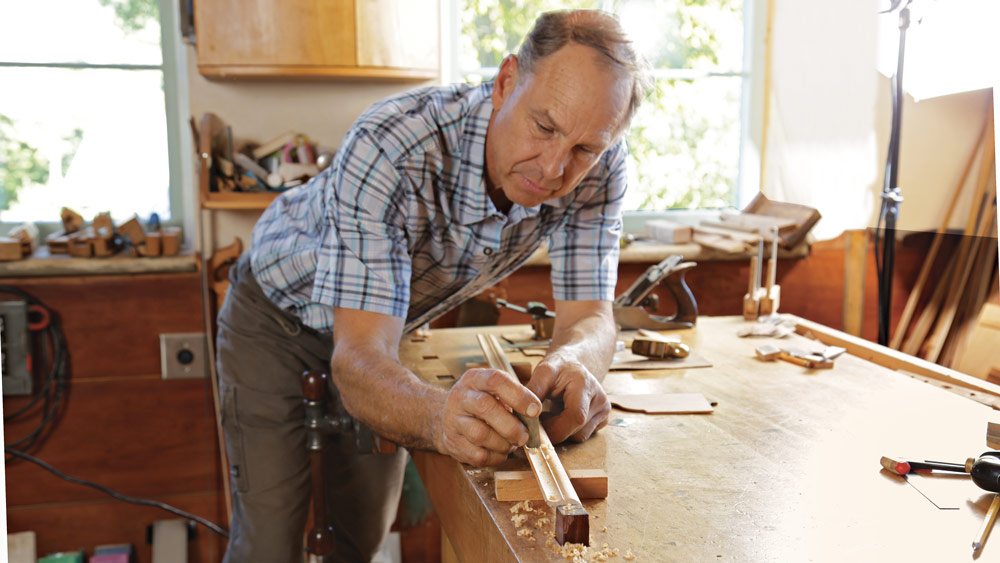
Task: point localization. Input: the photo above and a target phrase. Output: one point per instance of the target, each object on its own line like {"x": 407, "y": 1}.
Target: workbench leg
{"x": 447, "y": 551}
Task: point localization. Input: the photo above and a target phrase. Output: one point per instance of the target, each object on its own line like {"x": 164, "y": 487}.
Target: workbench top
{"x": 785, "y": 469}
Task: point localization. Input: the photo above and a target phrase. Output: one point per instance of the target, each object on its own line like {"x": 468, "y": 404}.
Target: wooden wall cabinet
{"x": 370, "y": 39}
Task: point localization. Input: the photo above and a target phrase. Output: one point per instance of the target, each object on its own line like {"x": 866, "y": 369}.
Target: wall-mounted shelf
{"x": 238, "y": 200}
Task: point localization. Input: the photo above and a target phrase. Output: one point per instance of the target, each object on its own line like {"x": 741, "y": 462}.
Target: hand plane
{"x": 633, "y": 309}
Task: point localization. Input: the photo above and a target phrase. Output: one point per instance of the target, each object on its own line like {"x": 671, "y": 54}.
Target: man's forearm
{"x": 388, "y": 398}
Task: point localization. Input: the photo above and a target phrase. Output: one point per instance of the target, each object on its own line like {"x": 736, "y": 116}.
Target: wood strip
{"x": 572, "y": 520}
{"x": 892, "y": 359}
{"x": 522, "y": 485}
{"x": 854, "y": 280}
{"x": 935, "y": 341}
{"x": 925, "y": 270}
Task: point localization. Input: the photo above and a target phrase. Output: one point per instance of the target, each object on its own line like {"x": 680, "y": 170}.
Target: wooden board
{"x": 663, "y": 403}
{"x": 522, "y": 485}
{"x": 627, "y": 361}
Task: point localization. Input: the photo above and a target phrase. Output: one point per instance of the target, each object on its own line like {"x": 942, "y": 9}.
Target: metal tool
{"x": 633, "y": 309}
{"x": 542, "y": 320}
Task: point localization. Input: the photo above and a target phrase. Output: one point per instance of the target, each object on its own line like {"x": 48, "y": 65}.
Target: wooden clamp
{"x": 572, "y": 520}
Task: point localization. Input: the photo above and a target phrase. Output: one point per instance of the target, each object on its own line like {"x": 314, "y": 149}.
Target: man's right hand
{"x": 477, "y": 426}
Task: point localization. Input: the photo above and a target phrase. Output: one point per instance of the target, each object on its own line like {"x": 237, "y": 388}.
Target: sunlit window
{"x": 685, "y": 141}
{"x": 82, "y": 119}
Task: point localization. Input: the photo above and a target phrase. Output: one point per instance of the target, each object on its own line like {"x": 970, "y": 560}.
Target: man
{"x": 434, "y": 195}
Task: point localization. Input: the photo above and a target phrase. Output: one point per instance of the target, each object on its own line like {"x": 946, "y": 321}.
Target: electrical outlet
{"x": 183, "y": 356}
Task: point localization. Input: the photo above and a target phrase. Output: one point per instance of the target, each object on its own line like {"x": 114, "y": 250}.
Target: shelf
{"x": 238, "y": 200}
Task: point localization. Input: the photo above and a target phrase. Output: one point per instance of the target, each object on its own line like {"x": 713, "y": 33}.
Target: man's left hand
{"x": 586, "y": 406}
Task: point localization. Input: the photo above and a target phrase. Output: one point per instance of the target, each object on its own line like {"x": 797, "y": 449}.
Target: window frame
{"x": 751, "y": 104}
{"x": 180, "y": 146}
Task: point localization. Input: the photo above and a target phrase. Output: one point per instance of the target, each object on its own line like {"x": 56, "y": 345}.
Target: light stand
{"x": 891, "y": 195}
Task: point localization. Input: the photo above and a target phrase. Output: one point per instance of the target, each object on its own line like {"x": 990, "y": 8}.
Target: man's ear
{"x": 505, "y": 81}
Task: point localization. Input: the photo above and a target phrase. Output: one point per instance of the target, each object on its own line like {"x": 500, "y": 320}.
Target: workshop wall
{"x": 120, "y": 425}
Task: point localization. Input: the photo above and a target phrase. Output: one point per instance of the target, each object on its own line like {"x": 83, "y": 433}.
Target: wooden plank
{"x": 113, "y": 323}
{"x": 918, "y": 286}
{"x": 523, "y": 485}
{"x": 855, "y": 261}
{"x": 892, "y": 359}
{"x": 935, "y": 342}
{"x": 980, "y": 357}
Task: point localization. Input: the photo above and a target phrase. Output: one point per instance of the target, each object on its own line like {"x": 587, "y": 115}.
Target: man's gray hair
{"x": 593, "y": 28}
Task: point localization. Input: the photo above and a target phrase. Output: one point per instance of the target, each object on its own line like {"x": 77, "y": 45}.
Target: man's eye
{"x": 543, "y": 129}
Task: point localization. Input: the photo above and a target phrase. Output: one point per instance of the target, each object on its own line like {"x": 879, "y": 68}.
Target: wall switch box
{"x": 183, "y": 355}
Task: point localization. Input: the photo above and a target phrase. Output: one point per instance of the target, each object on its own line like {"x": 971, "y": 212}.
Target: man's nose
{"x": 554, "y": 159}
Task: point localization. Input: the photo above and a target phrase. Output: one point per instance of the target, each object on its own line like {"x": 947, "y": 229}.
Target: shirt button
{"x": 487, "y": 251}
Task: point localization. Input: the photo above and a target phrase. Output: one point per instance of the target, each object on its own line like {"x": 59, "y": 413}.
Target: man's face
{"x": 550, "y": 127}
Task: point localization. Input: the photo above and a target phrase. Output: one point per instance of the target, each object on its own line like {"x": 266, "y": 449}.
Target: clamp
{"x": 542, "y": 320}
{"x": 326, "y": 416}
{"x": 633, "y": 309}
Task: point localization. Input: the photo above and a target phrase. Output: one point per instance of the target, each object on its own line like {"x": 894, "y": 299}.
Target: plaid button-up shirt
{"x": 401, "y": 223}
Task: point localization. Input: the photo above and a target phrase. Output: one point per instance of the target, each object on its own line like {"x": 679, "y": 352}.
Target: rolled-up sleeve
{"x": 363, "y": 262}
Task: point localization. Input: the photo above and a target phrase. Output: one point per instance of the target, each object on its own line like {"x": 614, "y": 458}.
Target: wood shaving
{"x": 525, "y": 532}
{"x": 629, "y": 556}
{"x": 518, "y": 507}
{"x": 518, "y": 519}
{"x": 542, "y": 522}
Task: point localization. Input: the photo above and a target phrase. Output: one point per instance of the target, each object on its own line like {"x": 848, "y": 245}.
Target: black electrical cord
{"x": 56, "y": 381}
{"x": 144, "y": 502}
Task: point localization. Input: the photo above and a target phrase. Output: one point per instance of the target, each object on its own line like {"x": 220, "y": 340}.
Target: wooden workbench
{"x": 785, "y": 469}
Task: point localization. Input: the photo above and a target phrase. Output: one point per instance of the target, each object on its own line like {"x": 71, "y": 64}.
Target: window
{"x": 685, "y": 142}
{"x": 83, "y": 115}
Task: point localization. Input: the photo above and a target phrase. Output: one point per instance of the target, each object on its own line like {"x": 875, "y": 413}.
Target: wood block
{"x": 769, "y": 301}
{"x": 58, "y": 243}
{"x": 80, "y": 248}
{"x": 663, "y": 403}
{"x": 10, "y": 249}
{"x": 103, "y": 227}
{"x": 71, "y": 220}
{"x": 718, "y": 242}
{"x": 101, "y": 246}
{"x": 153, "y": 246}
{"x": 572, "y": 524}
{"x": 171, "y": 241}
{"x": 274, "y": 145}
{"x": 522, "y": 485}
{"x": 768, "y": 352}
{"x": 133, "y": 230}
{"x": 668, "y": 232}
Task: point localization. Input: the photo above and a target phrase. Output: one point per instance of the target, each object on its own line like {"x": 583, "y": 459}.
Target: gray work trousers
{"x": 262, "y": 352}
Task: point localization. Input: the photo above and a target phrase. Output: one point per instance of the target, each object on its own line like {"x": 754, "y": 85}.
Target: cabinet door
{"x": 253, "y": 33}
{"x": 318, "y": 38}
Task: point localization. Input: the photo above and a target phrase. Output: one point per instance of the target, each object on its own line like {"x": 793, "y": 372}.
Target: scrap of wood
{"x": 757, "y": 222}
{"x": 274, "y": 145}
{"x": 663, "y": 403}
{"x": 668, "y": 232}
{"x": 522, "y": 485}
{"x": 717, "y": 242}
{"x": 171, "y": 241}
{"x": 10, "y": 249}
{"x": 767, "y": 352}
{"x": 71, "y": 220}
{"x": 627, "y": 361}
